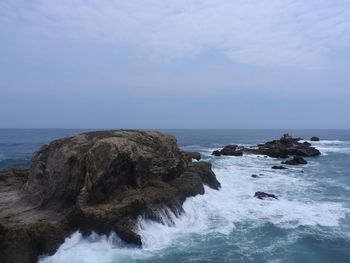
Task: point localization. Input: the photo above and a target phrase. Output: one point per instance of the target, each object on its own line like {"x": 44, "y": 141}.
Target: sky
{"x": 175, "y": 64}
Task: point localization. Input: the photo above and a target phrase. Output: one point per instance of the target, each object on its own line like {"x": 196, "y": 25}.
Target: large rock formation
{"x": 281, "y": 148}
{"x": 98, "y": 181}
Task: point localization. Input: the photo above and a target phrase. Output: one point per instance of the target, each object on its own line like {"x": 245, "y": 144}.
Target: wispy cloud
{"x": 260, "y": 32}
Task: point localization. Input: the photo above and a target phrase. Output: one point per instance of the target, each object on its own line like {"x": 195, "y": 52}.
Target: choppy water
{"x": 309, "y": 223}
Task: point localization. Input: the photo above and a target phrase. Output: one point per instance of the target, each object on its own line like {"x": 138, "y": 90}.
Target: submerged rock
{"x": 314, "y": 139}
{"x": 281, "y": 148}
{"x": 295, "y": 161}
{"x": 278, "y": 167}
{"x": 263, "y": 195}
{"x": 98, "y": 181}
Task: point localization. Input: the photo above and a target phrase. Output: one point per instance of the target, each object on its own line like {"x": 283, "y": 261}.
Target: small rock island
{"x": 98, "y": 181}
{"x": 281, "y": 148}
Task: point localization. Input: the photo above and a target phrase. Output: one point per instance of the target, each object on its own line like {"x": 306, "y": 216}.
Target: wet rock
{"x": 216, "y": 153}
{"x": 314, "y": 139}
{"x": 98, "y": 181}
{"x": 255, "y": 176}
{"x": 263, "y": 195}
{"x": 278, "y": 167}
{"x": 229, "y": 150}
{"x": 295, "y": 161}
{"x": 281, "y": 148}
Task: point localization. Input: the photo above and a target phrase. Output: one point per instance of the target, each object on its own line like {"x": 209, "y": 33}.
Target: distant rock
{"x": 295, "y": 161}
{"x": 278, "y": 167}
{"x": 216, "y": 153}
{"x": 281, "y": 148}
{"x": 263, "y": 195}
{"x": 314, "y": 139}
{"x": 97, "y": 181}
{"x": 229, "y": 150}
{"x": 255, "y": 176}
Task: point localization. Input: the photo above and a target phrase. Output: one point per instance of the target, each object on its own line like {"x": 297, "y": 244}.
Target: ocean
{"x": 309, "y": 223}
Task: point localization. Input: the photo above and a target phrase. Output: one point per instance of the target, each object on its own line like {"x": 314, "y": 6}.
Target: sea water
{"x": 309, "y": 223}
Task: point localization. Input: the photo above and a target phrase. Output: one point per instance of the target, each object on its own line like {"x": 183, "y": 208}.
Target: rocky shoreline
{"x": 98, "y": 181}
{"x": 104, "y": 181}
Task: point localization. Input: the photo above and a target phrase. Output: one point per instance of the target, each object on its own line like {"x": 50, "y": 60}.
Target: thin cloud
{"x": 265, "y": 33}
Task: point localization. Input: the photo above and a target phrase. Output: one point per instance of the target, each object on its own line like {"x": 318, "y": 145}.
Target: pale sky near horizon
{"x": 175, "y": 64}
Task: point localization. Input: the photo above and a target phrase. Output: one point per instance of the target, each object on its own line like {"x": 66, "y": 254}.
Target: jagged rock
{"x": 263, "y": 195}
{"x": 278, "y": 167}
{"x": 98, "y": 181}
{"x": 295, "y": 161}
{"x": 193, "y": 155}
{"x": 314, "y": 139}
{"x": 281, "y": 148}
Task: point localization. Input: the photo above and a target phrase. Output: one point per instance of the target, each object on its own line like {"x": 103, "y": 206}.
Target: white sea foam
{"x": 332, "y": 146}
{"x": 94, "y": 249}
{"x": 218, "y": 212}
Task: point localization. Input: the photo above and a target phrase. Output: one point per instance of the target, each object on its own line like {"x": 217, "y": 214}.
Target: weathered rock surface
{"x": 98, "y": 181}
{"x": 314, "y": 139}
{"x": 295, "y": 161}
{"x": 281, "y": 148}
{"x": 263, "y": 195}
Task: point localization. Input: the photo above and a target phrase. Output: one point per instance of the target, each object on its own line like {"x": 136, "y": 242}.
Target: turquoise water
{"x": 309, "y": 223}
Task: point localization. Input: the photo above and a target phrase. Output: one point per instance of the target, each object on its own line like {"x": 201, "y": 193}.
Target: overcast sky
{"x": 175, "y": 63}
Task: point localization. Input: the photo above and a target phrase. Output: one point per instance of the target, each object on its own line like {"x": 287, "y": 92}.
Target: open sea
{"x": 309, "y": 223}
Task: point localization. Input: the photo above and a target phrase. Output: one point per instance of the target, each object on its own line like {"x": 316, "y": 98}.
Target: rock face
{"x": 281, "y": 148}
{"x": 295, "y": 161}
{"x": 314, "y": 139}
{"x": 263, "y": 195}
{"x": 98, "y": 181}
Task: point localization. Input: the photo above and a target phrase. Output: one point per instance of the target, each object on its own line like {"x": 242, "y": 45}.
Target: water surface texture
{"x": 309, "y": 223}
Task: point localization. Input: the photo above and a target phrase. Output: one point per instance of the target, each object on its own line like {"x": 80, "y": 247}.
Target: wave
{"x": 219, "y": 213}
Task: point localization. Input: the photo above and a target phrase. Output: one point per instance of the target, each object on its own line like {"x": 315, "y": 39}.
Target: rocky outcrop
{"x": 314, "y": 139}
{"x": 193, "y": 155}
{"x": 295, "y": 161}
{"x": 98, "y": 181}
{"x": 281, "y": 148}
{"x": 263, "y": 195}
{"x": 230, "y": 150}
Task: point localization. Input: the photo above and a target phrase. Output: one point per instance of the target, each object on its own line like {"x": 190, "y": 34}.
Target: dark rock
{"x": 203, "y": 169}
{"x": 97, "y": 181}
{"x": 262, "y": 196}
{"x": 229, "y": 150}
{"x": 255, "y": 176}
{"x": 216, "y": 153}
{"x": 281, "y": 148}
{"x": 314, "y": 139}
{"x": 278, "y": 167}
{"x": 192, "y": 155}
{"x": 295, "y": 161}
